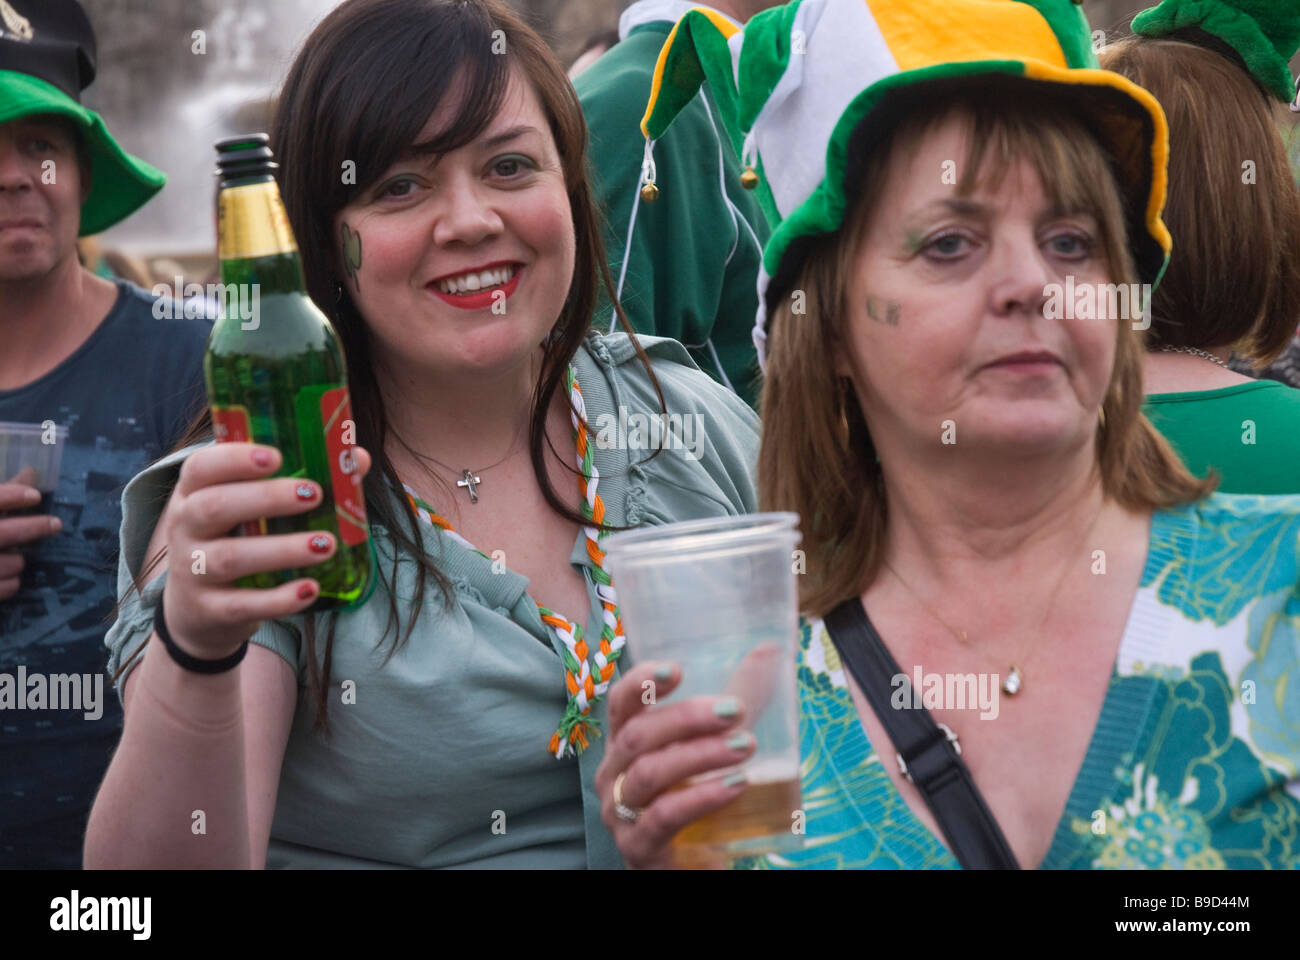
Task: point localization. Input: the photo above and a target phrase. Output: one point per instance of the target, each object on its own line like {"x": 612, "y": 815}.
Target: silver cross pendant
{"x": 470, "y": 481}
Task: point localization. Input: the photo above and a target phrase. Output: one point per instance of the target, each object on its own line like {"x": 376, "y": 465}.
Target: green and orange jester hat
{"x": 799, "y": 80}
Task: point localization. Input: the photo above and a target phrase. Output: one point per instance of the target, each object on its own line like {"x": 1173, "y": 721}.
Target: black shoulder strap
{"x": 929, "y": 754}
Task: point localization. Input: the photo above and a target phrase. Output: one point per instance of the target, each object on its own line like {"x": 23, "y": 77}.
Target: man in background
{"x": 85, "y": 366}
{"x": 689, "y": 267}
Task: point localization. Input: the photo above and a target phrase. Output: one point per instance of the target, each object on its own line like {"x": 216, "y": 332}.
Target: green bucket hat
{"x": 1264, "y": 33}
{"x": 797, "y": 83}
{"x": 47, "y": 57}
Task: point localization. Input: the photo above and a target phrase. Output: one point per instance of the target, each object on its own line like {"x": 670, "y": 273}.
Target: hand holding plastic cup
{"x": 36, "y": 452}
{"x": 719, "y": 598}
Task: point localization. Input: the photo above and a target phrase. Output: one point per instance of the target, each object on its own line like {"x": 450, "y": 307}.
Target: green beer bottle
{"x": 276, "y": 375}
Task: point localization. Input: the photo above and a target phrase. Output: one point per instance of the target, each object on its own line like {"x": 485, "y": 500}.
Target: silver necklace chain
{"x": 470, "y": 479}
{"x": 425, "y": 456}
{"x": 1195, "y": 352}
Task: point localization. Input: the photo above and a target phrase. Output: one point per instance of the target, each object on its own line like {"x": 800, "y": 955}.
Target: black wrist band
{"x": 187, "y": 662}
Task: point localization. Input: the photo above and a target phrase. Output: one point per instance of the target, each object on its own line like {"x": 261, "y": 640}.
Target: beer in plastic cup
{"x": 719, "y": 598}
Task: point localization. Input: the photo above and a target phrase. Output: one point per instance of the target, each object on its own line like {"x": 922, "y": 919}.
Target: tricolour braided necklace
{"x": 587, "y": 673}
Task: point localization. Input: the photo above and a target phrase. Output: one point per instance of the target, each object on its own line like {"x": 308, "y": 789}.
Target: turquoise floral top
{"x": 1195, "y": 759}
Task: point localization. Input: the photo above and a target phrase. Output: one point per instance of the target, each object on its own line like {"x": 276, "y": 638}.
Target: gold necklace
{"x": 1014, "y": 681}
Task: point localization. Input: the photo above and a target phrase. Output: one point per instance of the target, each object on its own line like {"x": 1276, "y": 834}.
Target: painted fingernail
{"x": 664, "y": 674}
{"x": 727, "y": 707}
{"x": 735, "y": 779}
{"x": 305, "y": 491}
{"x": 31, "y": 496}
{"x": 55, "y": 524}
{"x": 321, "y": 543}
{"x": 305, "y": 591}
{"x": 261, "y": 458}
{"x": 740, "y": 741}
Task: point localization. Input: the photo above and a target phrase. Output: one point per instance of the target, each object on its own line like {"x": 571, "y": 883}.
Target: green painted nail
{"x": 727, "y": 707}
{"x": 664, "y": 674}
{"x": 740, "y": 741}
{"x": 735, "y": 780}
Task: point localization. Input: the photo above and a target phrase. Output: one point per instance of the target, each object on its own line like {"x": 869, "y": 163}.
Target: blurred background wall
{"x": 168, "y": 104}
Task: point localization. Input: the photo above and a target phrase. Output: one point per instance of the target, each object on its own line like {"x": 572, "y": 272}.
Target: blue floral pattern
{"x": 1206, "y": 780}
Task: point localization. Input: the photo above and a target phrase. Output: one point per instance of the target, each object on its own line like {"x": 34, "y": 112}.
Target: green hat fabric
{"x": 120, "y": 183}
{"x": 1266, "y": 33}
{"x": 797, "y": 82}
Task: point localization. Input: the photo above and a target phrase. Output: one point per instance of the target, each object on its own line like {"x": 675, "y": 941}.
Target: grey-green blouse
{"x": 441, "y": 760}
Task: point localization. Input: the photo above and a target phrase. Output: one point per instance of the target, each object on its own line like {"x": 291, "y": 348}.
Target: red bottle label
{"x": 340, "y": 448}
{"x": 230, "y": 425}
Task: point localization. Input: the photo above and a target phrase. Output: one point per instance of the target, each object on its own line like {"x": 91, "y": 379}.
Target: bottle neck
{"x": 254, "y": 240}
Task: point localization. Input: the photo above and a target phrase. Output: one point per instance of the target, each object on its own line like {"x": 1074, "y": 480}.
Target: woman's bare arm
{"x": 193, "y": 782}
{"x": 200, "y": 760}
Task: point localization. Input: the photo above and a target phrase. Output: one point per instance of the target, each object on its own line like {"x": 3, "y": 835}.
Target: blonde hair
{"x": 817, "y": 457}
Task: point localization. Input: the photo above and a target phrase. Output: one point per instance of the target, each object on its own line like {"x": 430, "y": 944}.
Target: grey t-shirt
{"x": 126, "y": 396}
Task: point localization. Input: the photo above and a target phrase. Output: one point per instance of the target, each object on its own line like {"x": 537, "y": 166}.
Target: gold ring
{"x": 621, "y": 810}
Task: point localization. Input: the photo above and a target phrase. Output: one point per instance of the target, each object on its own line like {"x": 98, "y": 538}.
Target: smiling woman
{"x": 433, "y": 170}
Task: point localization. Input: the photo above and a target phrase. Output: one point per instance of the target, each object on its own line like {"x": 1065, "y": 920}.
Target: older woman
{"x": 1234, "y": 279}
{"x": 982, "y": 500}
{"x": 452, "y": 719}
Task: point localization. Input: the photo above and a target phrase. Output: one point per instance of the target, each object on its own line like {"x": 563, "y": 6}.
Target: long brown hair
{"x": 361, "y": 90}
{"x": 817, "y": 458}
{"x": 1234, "y": 278}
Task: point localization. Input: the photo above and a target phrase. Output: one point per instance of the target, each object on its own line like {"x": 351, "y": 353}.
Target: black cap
{"x": 244, "y": 156}
{"x": 49, "y": 39}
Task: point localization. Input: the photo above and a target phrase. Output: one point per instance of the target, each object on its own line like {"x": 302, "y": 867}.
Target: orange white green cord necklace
{"x": 587, "y": 672}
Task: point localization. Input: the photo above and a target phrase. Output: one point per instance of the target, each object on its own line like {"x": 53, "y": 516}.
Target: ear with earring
{"x": 846, "y": 396}
{"x": 842, "y": 410}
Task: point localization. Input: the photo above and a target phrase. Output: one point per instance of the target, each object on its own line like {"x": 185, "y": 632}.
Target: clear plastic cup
{"x": 719, "y": 598}
{"x": 39, "y": 447}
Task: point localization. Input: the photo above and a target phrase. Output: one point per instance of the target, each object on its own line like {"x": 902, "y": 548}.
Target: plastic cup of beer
{"x": 718, "y": 597}
{"x": 38, "y": 447}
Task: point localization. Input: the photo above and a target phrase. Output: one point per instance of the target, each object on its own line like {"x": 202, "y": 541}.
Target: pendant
{"x": 1011, "y": 685}
{"x": 471, "y": 482}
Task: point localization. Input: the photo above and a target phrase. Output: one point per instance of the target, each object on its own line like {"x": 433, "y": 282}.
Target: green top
{"x": 1250, "y": 433}
{"x": 692, "y": 271}
{"x": 455, "y": 726}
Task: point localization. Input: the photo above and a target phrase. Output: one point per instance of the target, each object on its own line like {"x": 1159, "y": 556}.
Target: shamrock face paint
{"x": 883, "y": 311}
{"x": 351, "y": 253}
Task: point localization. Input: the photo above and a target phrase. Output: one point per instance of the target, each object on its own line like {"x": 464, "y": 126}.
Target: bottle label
{"x": 251, "y": 222}
{"x": 340, "y": 449}
{"x": 230, "y": 424}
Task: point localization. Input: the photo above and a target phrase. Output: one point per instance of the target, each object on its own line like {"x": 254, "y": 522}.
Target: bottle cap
{"x": 244, "y": 156}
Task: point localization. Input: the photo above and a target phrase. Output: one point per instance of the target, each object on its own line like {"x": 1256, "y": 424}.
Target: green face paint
{"x": 914, "y": 242}
{"x": 884, "y": 311}
{"x": 351, "y": 254}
